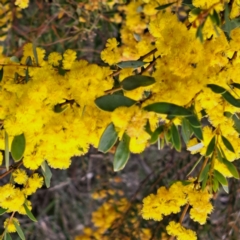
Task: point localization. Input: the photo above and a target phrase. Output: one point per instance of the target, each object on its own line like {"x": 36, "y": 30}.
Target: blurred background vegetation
{"x": 65, "y": 209}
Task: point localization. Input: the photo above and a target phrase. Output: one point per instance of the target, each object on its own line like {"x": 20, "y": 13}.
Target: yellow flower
{"x": 20, "y": 176}
{"x": 22, "y": 3}
{"x": 54, "y": 58}
{"x": 9, "y": 225}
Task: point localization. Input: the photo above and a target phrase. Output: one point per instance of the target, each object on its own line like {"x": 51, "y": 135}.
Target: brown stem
{"x": 12, "y": 167}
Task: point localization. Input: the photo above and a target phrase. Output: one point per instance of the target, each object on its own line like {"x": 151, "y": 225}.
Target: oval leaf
{"x": 156, "y": 134}
{"x": 176, "y": 138}
{"x": 29, "y": 213}
{"x": 59, "y": 108}
{"x": 7, "y": 236}
{"x": 204, "y": 173}
{"x": 18, "y": 147}
{"x": 232, "y": 169}
{"x": 211, "y": 146}
{"x": 220, "y": 177}
{"x": 230, "y": 99}
{"x": 131, "y": 64}
{"x": 186, "y": 130}
{"x": 2, "y": 211}
{"x": 111, "y": 102}
{"x": 215, "y": 186}
{"x": 194, "y": 122}
{"x": 217, "y": 89}
{"x": 198, "y": 133}
{"x": 19, "y": 230}
{"x": 108, "y": 138}
{"x": 227, "y": 144}
{"x": 122, "y": 154}
{"x": 46, "y": 171}
{"x": 168, "y": 108}
{"x": 136, "y": 81}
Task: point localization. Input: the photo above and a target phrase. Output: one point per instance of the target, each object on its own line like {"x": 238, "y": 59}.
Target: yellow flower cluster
{"x": 168, "y": 201}
{"x": 22, "y": 3}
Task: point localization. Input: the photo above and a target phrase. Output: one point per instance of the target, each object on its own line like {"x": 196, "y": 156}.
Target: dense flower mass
{"x": 169, "y": 70}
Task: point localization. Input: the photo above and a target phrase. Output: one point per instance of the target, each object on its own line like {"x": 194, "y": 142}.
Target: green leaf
{"x": 215, "y": 18}
{"x": 111, "y": 102}
{"x": 18, "y": 147}
{"x": 156, "y": 134}
{"x": 219, "y": 155}
{"x": 136, "y": 81}
{"x": 46, "y": 171}
{"x": 14, "y": 59}
{"x": 232, "y": 169}
{"x": 6, "y": 152}
{"x": 162, "y": 7}
{"x": 195, "y": 165}
{"x": 186, "y": 130}
{"x": 204, "y": 173}
{"x": 7, "y": 236}
{"x": 19, "y": 230}
{"x": 28, "y": 61}
{"x": 230, "y": 99}
{"x": 168, "y": 108}
{"x": 211, "y": 146}
{"x": 196, "y": 11}
{"x": 27, "y": 75}
{"x": 1, "y": 74}
{"x": 220, "y": 177}
{"x": 194, "y": 122}
{"x": 59, "y": 108}
{"x": 225, "y": 188}
{"x": 29, "y": 213}
{"x": 216, "y": 89}
{"x": 199, "y": 33}
{"x": 2, "y": 211}
{"x": 176, "y": 138}
{"x": 131, "y": 64}
{"x": 236, "y": 122}
{"x": 198, "y": 133}
{"x": 108, "y": 139}
{"x": 227, "y": 144}
{"x": 236, "y": 85}
{"x": 122, "y": 154}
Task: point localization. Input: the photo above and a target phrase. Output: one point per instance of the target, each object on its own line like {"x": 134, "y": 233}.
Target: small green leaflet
{"x": 6, "y": 141}
{"x": 216, "y": 89}
{"x": 168, "y": 108}
{"x": 46, "y": 171}
{"x": 18, "y": 147}
{"x": 35, "y": 52}
{"x": 136, "y": 81}
{"x": 225, "y": 188}
{"x": 122, "y": 154}
{"x": 198, "y": 133}
{"x": 215, "y": 18}
{"x": 219, "y": 155}
{"x": 59, "y": 108}
{"x": 111, "y": 102}
{"x": 220, "y": 178}
{"x": 19, "y": 230}
{"x": 176, "y": 138}
{"x": 195, "y": 165}
{"x": 28, "y": 61}
{"x": 186, "y": 130}
{"x": 29, "y": 213}
{"x": 232, "y": 169}
{"x": 7, "y": 236}
{"x": 108, "y": 139}
{"x": 156, "y": 134}
{"x": 194, "y": 122}
{"x": 131, "y": 64}
{"x": 199, "y": 33}
{"x": 2, "y": 211}
{"x": 215, "y": 186}
{"x": 230, "y": 99}
{"x": 211, "y": 146}
{"x": 236, "y": 85}
{"x": 204, "y": 173}
{"x": 227, "y": 144}
{"x": 162, "y": 7}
